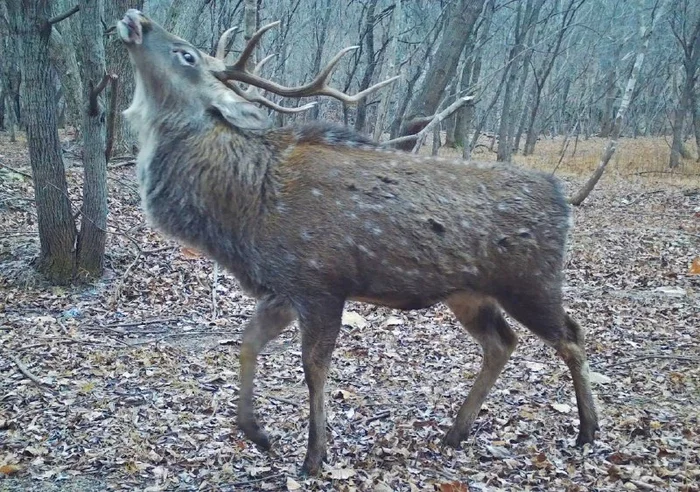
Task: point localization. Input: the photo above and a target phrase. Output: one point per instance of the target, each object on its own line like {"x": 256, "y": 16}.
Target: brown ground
{"x": 152, "y": 406}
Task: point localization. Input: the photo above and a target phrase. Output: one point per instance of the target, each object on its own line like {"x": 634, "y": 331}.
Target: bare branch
{"x": 64, "y": 15}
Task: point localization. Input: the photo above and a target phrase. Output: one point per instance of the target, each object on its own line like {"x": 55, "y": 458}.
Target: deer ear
{"x": 242, "y": 114}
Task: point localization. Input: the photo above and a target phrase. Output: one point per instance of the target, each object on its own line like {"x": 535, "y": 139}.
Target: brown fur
{"x": 309, "y": 217}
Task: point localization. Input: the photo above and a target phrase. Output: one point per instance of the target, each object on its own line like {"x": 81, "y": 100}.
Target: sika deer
{"x": 308, "y": 217}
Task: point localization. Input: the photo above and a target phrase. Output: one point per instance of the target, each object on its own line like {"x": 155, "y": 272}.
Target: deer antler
{"x": 251, "y": 93}
{"x": 317, "y": 87}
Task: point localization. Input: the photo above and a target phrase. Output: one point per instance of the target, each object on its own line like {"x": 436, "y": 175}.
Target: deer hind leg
{"x": 320, "y": 326}
{"x": 549, "y": 321}
{"x": 271, "y": 316}
{"x": 483, "y": 320}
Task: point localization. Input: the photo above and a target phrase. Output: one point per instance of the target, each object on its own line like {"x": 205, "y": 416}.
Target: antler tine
{"x": 248, "y": 50}
{"x": 317, "y": 87}
{"x": 223, "y": 41}
{"x": 255, "y": 96}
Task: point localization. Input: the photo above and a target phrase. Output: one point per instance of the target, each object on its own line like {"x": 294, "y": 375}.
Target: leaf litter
{"x": 137, "y": 375}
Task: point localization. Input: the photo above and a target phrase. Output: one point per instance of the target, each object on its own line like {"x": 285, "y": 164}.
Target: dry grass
{"x": 646, "y": 158}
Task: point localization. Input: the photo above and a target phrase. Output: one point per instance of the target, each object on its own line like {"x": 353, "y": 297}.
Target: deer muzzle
{"x": 130, "y": 28}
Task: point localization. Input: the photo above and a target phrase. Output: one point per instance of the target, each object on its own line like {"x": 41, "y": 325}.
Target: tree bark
{"x": 583, "y": 193}
{"x": 690, "y": 44}
{"x": 93, "y": 226}
{"x": 461, "y": 17}
{"x": 64, "y": 60}
{"x": 183, "y": 17}
{"x": 55, "y": 220}
{"x": 11, "y": 75}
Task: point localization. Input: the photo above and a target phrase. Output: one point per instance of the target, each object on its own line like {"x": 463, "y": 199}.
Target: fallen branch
{"x": 256, "y": 480}
{"x": 23, "y": 369}
{"x": 282, "y": 400}
{"x": 16, "y": 171}
{"x": 111, "y": 117}
{"x": 683, "y": 358}
{"x": 379, "y": 416}
{"x": 122, "y": 164}
{"x": 118, "y": 289}
{"x": 144, "y": 322}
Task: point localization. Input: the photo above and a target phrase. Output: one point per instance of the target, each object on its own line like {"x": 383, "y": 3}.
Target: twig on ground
{"x": 143, "y": 322}
{"x": 256, "y": 480}
{"x": 215, "y": 282}
{"x": 16, "y": 171}
{"x": 122, "y": 164}
{"x": 641, "y": 358}
{"x": 117, "y": 291}
{"x": 281, "y": 400}
{"x": 379, "y": 416}
{"x": 23, "y": 369}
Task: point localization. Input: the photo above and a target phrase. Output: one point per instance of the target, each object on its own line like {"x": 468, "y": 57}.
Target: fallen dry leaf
{"x": 453, "y": 487}
{"x": 292, "y": 484}
{"x": 561, "y": 407}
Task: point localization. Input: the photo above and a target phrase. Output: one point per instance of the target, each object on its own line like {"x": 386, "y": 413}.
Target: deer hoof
{"x": 253, "y": 432}
{"x": 585, "y": 438}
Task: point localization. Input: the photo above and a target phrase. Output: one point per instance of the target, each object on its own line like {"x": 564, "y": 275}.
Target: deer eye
{"x": 187, "y": 58}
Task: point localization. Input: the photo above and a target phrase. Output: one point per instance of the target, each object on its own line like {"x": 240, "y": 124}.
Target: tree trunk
{"x": 361, "y": 116}
{"x": 696, "y": 124}
{"x": 678, "y": 121}
{"x": 321, "y": 33}
{"x": 123, "y": 140}
{"x": 55, "y": 220}
{"x": 583, "y": 193}
{"x": 388, "y": 69}
{"x": 11, "y": 75}
{"x": 183, "y": 17}
{"x": 64, "y": 60}
{"x": 461, "y": 17}
{"x": 93, "y": 226}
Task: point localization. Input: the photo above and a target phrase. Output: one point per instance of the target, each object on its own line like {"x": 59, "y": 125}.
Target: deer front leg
{"x": 272, "y": 315}
{"x": 319, "y": 331}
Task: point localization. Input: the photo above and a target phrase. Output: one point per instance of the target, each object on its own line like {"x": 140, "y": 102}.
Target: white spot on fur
{"x": 316, "y": 192}
{"x": 366, "y": 251}
{"x": 314, "y": 264}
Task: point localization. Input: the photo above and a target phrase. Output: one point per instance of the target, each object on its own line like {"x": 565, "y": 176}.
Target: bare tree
{"x": 120, "y": 136}
{"x": 525, "y": 20}
{"x": 90, "y": 246}
{"x": 541, "y": 73}
{"x": 460, "y": 19}
{"x": 685, "y": 25}
{"x": 610, "y": 148}
{"x": 389, "y": 68}
{"x": 32, "y": 18}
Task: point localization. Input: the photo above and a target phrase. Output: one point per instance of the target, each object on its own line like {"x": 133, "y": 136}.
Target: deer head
{"x": 174, "y": 75}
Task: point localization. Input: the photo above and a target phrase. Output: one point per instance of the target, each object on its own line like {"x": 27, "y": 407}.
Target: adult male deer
{"x": 308, "y": 217}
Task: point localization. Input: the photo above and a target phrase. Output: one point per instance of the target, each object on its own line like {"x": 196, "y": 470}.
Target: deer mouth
{"x": 130, "y": 28}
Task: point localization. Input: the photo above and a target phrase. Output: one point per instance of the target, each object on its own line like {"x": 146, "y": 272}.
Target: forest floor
{"x": 132, "y": 382}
